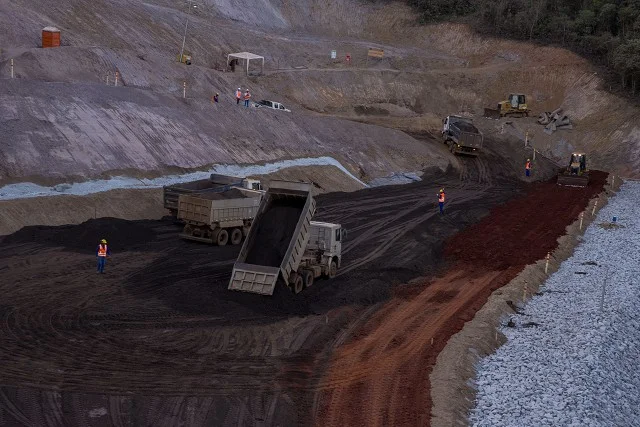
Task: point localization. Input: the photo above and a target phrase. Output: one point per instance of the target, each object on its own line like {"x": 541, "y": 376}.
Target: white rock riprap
{"x": 573, "y": 357}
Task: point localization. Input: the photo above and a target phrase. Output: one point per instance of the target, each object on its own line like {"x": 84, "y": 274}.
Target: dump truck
{"x": 215, "y": 183}
{"x": 514, "y": 106}
{"x": 462, "y": 137}
{"x": 218, "y": 218}
{"x": 284, "y": 246}
{"x": 576, "y": 173}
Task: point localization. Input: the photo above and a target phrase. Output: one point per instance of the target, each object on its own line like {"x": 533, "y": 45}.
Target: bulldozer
{"x": 576, "y": 173}
{"x": 185, "y": 58}
{"x": 515, "y": 106}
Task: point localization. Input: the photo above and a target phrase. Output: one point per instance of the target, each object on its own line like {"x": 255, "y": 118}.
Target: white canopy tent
{"x": 247, "y": 56}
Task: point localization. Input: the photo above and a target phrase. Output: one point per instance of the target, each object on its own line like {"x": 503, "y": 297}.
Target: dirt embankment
{"x": 381, "y": 377}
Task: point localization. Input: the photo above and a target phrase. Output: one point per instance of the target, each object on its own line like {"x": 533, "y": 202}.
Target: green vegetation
{"x": 605, "y": 30}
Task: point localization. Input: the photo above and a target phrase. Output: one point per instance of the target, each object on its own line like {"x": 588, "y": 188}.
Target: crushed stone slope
{"x": 571, "y": 358}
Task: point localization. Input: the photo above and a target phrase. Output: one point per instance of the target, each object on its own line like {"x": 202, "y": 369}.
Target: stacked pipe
{"x": 554, "y": 120}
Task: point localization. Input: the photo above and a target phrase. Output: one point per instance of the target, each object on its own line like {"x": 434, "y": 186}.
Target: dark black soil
{"x": 274, "y": 232}
{"x": 234, "y": 193}
{"x": 121, "y": 235}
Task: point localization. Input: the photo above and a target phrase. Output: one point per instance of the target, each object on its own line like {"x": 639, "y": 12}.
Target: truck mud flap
{"x": 257, "y": 279}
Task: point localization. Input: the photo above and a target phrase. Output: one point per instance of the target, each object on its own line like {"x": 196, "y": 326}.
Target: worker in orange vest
{"x": 238, "y": 96}
{"x": 102, "y": 252}
{"x": 527, "y": 168}
{"x": 247, "y": 97}
{"x": 441, "y": 201}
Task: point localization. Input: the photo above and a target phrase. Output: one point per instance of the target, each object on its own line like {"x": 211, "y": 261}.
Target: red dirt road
{"x": 381, "y": 377}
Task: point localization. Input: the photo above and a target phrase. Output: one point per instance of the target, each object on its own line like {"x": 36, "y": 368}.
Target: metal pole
{"x": 184, "y": 38}
{"x": 184, "y": 89}
{"x": 247, "y": 66}
{"x": 12, "y": 68}
{"x": 117, "y": 75}
{"x": 593, "y": 212}
{"x": 581, "y": 218}
{"x": 546, "y": 266}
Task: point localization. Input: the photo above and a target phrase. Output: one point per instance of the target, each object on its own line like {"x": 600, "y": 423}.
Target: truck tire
{"x": 236, "y": 236}
{"x": 296, "y": 283}
{"x": 221, "y": 238}
{"x": 308, "y": 277}
{"x": 333, "y": 269}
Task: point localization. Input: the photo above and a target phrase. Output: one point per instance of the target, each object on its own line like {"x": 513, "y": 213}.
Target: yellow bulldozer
{"x": 515, "y": 106}
{"x": 576, "y": 173}
{"x": 185, "y": 58}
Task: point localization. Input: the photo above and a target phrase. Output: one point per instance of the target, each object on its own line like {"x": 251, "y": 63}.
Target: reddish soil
{"x": 381, "y": 377}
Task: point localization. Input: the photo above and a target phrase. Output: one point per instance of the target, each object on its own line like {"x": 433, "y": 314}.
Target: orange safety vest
{"x": 528, "y": 165}
{"x": 238, "y": 94}
{"x": 102, "y": 250}
{"x": 247, "y": 96}
{"x": 441, "y": 198}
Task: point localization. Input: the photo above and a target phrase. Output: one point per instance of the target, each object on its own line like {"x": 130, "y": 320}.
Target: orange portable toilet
{"x": 50, "y": 37}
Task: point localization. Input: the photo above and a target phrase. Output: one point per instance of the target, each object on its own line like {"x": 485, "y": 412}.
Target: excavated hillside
{"x": 60, "y": 119}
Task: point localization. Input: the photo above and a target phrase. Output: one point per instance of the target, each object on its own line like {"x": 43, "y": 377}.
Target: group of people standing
{"x": 239, "y": 97}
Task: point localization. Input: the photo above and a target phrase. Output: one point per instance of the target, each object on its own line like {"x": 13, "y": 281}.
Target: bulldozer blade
{"x": 492, "y": 113}
{"x": 573, "y": 180}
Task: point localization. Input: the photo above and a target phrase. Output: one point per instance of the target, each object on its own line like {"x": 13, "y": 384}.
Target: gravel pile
{"x": 572, "y": 357}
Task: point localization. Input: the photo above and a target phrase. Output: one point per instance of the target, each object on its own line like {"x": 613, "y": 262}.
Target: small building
{"x": 50, "y": 37}
{"x": 234, "y": 58}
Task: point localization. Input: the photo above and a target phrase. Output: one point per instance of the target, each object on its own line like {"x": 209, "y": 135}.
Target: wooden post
{"x": 12, "y": 68}
{"x": 117, "y": 76}
{"x": 581, "y": 218}
{"x": 184, "y": 89}
{"x": 593, "y": 211}
{"x": 546, "y": 266}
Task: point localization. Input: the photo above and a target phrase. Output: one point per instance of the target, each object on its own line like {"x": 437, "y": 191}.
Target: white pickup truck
{"x": 272, "y": 104}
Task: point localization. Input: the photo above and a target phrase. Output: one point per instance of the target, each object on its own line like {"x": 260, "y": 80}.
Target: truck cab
{"x": 252, "y": 184}
{"x": 325, "y": 245}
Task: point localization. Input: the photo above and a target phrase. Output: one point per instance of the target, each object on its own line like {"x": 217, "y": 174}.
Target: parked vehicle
{"x": 218, "y": 217}
{"x": 272, "y": 104}
{"x": 215, "y": 183}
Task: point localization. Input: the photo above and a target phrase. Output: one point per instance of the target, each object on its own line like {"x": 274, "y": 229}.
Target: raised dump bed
{"x": 218, "y": 218}
{"x": 277, "y": 240}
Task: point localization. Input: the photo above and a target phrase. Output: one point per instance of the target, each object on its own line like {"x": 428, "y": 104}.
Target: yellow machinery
{"x": 576, "y": 173}
{"x": 185, "y": 58}
{"x": 515, "y": 106}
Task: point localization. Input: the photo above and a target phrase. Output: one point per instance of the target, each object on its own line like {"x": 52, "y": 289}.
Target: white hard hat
{"x": 239, "y": 89}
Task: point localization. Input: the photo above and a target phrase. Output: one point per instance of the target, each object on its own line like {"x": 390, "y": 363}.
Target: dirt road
{"x": 159, "y": 340}
{"x": 381, "y": 377}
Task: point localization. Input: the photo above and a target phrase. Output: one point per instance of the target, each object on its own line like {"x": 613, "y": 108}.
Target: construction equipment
{"x": 284, "y": 245}
{"x": 461, "y": 135}
{"x": 215, "y": 183}
{"x": 515, "y": 106}
{"x": 218, "y": 217}
{"x": 185, "y": 58}
{"x": 576, "y": 173}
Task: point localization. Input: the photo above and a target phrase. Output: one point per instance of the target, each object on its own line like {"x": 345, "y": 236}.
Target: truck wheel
{"x": 296, "y": 283}
{"x": 308, "y": 278}
{"x": 333, "y": 269}
{"x": 222, "y": 238}
{"x": 236, "y": 236}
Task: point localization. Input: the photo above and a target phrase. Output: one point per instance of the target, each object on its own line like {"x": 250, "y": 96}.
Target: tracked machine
{"x": 576, "y": 173}
{"x": 515, "y": 106}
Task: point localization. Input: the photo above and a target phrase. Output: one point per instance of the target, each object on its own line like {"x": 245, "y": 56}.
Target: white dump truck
{"x": 214, "y": 184}
{"x": 461, "y": 135}
{"x": 218, "y": 217}
{"x": 285, "y": 246}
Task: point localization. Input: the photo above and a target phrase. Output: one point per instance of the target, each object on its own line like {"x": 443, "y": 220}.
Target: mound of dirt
{"x": 121, "y": 235}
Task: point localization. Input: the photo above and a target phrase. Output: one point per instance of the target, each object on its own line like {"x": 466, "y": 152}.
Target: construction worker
{"x": 247, "y": 97}
{"x": 441, "y": 201}
{"x": 102, "y": 252}
{"x": 238, "y": 96}
{"x": 527, "y": 168}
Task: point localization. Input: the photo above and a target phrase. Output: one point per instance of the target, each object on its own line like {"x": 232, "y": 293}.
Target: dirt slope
{"x": 427, "y": 72}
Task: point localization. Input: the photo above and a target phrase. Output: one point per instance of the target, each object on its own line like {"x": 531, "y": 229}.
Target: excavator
{"x": 576, "y": 173}
{"x": 515, "y": 106}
